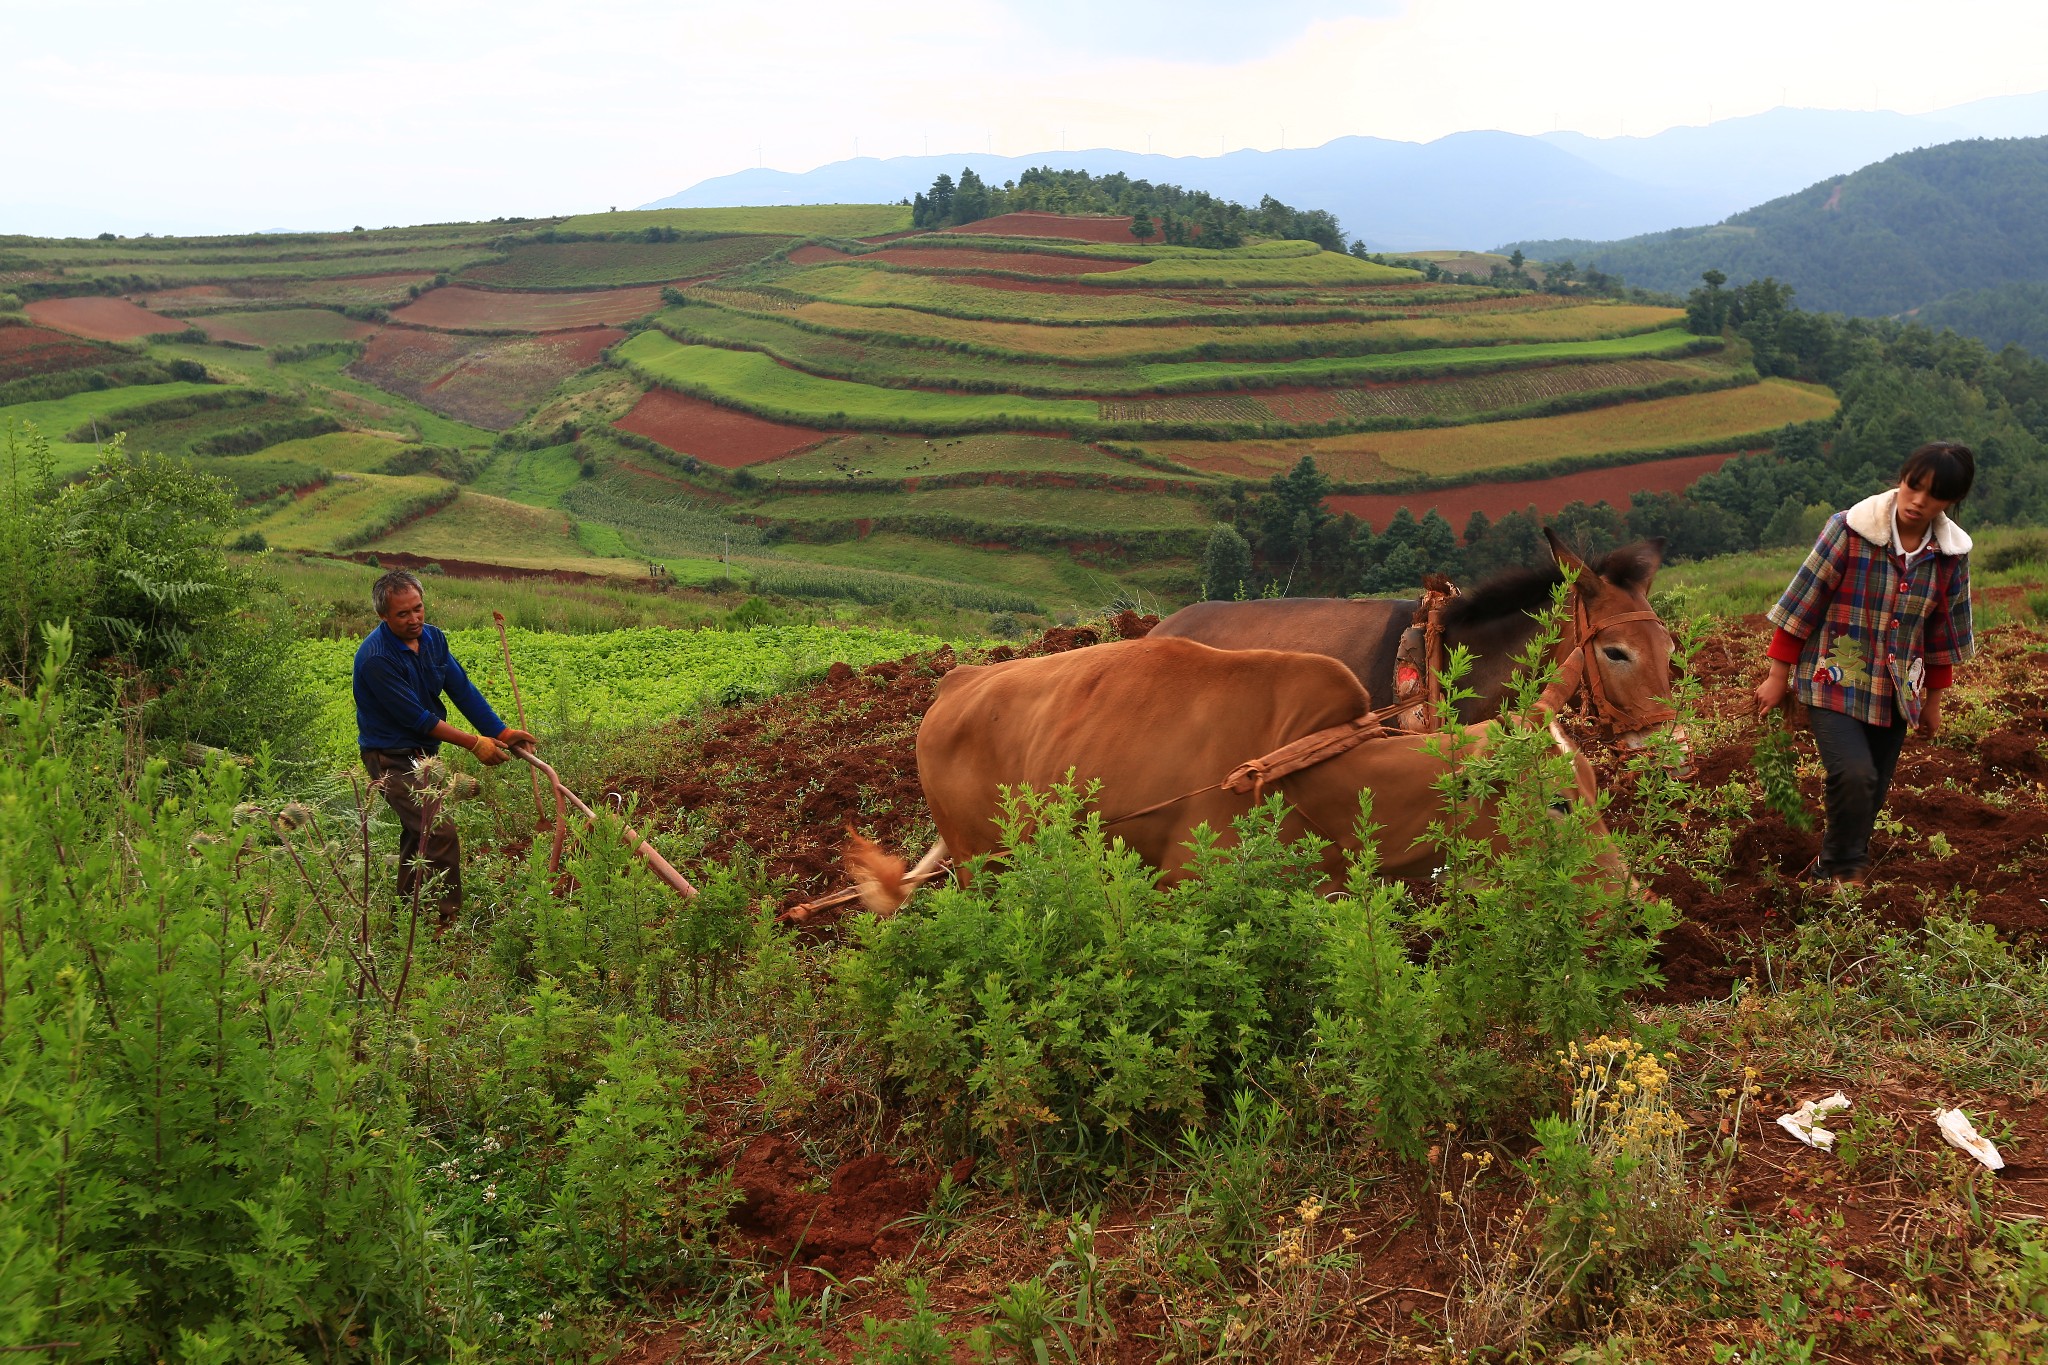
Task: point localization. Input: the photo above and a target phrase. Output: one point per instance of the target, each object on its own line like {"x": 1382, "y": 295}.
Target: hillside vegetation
{"x": 1888, "y": 238}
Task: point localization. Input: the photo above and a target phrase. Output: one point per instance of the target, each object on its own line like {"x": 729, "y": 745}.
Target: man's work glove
{"x": 487, "y": 751}
{"x": 512, "y": 739}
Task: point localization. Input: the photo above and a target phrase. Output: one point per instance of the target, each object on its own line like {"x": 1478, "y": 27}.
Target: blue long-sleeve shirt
{"x": 398, "y": 692}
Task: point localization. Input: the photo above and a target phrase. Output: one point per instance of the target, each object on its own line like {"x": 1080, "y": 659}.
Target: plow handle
{"x": 660, "y": 866}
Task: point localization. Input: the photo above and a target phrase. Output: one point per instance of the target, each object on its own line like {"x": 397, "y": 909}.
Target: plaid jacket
{"x": 1869, "y": 632}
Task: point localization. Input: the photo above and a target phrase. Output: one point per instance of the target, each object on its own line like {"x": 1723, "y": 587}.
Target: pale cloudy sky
{"x": 249, "y": 114}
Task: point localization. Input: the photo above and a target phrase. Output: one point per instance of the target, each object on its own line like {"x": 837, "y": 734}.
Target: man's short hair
{"x": 382, "y": 591}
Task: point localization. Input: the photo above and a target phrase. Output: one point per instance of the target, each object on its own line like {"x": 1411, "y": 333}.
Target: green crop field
{"x": 950, "y": 296}
{"x": 154, "y": 274}
{"x": 57, "y": 416}
{"x": 1400, "y": 364}
{"x": 803, "y": 220}
{"x": 852, "y": 458}
{"x": 570, "y": 265}
{"x": 755, "y": 382}
{"x": 539, "y": 477}
{"x": 1729, "y": 419}
{"x": 283, "y": 327}
{"x": 1221, "y": 270}
{"x": 351, "y": 511}
{"x": 1057, "y": 511}
{"x": 629, "y": 677}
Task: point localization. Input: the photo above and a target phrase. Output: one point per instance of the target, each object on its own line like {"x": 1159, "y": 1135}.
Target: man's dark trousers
{"x": 1860, "y": 759}
{"x": 428, "y": 850}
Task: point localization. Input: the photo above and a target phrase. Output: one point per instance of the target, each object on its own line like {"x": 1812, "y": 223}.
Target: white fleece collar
{"x": 1872, "y": 519}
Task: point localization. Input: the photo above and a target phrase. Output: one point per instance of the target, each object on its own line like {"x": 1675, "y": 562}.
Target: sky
{"x": 218, "y": 115}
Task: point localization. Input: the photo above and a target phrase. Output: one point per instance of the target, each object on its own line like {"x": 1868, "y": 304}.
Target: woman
{"x": 1868, "y": 635}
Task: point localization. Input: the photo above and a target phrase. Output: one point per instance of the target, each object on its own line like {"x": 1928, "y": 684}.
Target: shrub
{"x": 249, "y": 543}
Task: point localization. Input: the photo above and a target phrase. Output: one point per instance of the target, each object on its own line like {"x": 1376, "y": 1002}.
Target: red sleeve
{"x": 1940, "y": 676}
{"x": 1784, "y": 648}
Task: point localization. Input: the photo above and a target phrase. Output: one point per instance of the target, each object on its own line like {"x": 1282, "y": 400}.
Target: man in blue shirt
{"x": 402, "y": 669}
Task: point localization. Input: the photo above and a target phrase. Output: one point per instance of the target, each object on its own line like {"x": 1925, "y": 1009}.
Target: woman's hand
{"x": 1930, "y": 715}
{"x": 1772, "y": 691}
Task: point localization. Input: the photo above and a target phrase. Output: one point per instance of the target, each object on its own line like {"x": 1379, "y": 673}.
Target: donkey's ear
{"x": 1632, "y": 567}
{"x": 1569, "y": 561}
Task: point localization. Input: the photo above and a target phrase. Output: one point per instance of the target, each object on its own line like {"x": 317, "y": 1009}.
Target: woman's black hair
{"x": 1950, "y": 464}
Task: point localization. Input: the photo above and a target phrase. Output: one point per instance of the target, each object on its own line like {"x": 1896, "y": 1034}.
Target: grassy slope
{"x": 910, "y": 457}
{"x": 349, "y": 504}
{"x": 60, "y": 415}
{"x": 1079, "y": 510}
{"x": 833, "y": 220}
{"x": 322, "y": 382}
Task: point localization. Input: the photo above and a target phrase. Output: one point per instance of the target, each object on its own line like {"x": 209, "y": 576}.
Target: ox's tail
{"x": 877, "y": 876}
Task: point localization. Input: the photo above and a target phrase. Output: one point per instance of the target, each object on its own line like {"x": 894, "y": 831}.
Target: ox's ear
{"x": 1570, "y": 562}
{"x": 1632, "y": 567}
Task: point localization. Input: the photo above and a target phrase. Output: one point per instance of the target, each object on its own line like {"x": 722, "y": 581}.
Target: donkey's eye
{"x": 1619, "y": 656}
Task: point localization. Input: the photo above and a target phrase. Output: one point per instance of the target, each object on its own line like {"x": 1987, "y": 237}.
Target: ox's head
{"x": 1627, "y": 649}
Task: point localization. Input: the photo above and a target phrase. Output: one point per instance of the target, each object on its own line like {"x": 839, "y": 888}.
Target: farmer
{"x": 1868, "y": 635}
{"x": 402, "y": 668}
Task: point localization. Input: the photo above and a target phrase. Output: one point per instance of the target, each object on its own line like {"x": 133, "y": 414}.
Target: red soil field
{"x": 100, "y": 318}
{"x": 489, "y": 382}
{"x": 455, "y": 308}
{"x": 1069, "y": 226}
{"x": 38, "y": 350}
{"x": 1616, "y": 485}
{"x": 1025, "y": 262}
{"x": 818, "y": 255}
{"x": 728, "y": 439}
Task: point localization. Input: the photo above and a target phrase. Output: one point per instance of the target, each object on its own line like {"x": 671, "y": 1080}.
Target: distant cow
{"x": 1153, "y": 720}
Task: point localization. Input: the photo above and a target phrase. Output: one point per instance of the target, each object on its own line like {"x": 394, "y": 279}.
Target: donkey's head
{"x": 1627, "y": 650}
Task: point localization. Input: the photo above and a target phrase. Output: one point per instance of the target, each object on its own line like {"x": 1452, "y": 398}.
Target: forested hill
{"x": 1886, "y": 239}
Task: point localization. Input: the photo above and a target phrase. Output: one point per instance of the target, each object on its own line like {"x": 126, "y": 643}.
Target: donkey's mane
{"x": 1508, "y": 593}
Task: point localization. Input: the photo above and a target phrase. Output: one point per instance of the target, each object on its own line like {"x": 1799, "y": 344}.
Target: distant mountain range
{"x": 1472, "y": 190}
{"x": 1892, "y": 237}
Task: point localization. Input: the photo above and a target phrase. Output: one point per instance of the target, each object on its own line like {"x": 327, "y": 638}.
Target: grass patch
{"x": 57, "y": 416}
{"x": 488, "y": 529}
{"x": 1078, "y": 512}
{"x": 538, "y": 477}
{"x": 283, "y": 327}
{"x": 351, "y": 511}
{"x": 909, "y": 457}
{"x": 354, "y": 452}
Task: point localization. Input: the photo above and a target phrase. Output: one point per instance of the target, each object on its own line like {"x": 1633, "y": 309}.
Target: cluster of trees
{"x": 1177, "y": 216}
{"x": 1901, "y": 384}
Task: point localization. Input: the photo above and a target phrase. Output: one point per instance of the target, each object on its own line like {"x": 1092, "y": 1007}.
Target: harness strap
{"x": 1608, "y": 713}
{"x": 1289, "y": 758}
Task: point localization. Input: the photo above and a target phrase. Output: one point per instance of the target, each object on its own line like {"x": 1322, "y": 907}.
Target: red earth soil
{"x": 25, "y": 351}
{"x": 1026, "y": 262}
{"x": 490, "y": 381}
{"x": 456, "y": 308}
{"x": 818, "y": 255}
{"x": 228, "y": 331}
{"x": 862, "y": 1217}
{"x": 787, "y": 776}
{"x": 728, "y": 439}
{"x": 1070, "y": 226}
{"x": 100, "y": 318}
{"x": 1617, "y": 485}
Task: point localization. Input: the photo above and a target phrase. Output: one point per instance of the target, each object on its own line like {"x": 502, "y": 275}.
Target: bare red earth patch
{"x": 1073, "y": 227}
{"x": 456, "y": 308}
{"x": 1617, "y": 486}
{"x": 26, "y": 351}
{"x": 487, "y": 381}
{"x": 728, "y": 439}
{"x": 100, "y": 318}
{"x": 1026, "y": 262}
{"x": 862, "y": 1217}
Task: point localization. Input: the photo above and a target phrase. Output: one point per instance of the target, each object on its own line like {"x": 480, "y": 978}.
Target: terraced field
{"x": 1732, "y": 419}
{"x": 352, "y": 511}
{"x": 581, "y": 265}
{"x": 821, "y": 220}
{"x": 456, "y": 309}
{"x": 486, "y": 381}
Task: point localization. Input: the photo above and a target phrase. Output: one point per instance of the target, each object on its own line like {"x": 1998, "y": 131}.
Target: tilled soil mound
{"x": 786, "y": 778}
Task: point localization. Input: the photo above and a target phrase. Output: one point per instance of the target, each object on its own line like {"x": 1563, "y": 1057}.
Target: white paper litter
{"x": 1804, "y": 1122}
{"x": 1957, "y": 1132}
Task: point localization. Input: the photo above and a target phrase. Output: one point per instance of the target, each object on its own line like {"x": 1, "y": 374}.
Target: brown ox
{"x": 1632, "y": 656}
{"x": 1159, "y": 724}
